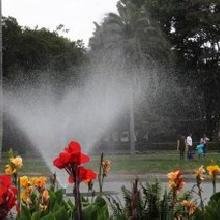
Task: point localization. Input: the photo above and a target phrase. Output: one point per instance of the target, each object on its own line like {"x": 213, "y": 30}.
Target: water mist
{"x": 84, "y": 113}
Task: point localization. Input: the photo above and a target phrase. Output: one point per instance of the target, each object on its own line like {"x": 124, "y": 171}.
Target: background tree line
{"x": 167, "y": 50}
{"x": 33, "y": 54}
{"x": 177, "y": 43}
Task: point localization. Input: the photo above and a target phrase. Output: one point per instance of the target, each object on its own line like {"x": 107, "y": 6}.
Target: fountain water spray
{"x": 84, "y": 113}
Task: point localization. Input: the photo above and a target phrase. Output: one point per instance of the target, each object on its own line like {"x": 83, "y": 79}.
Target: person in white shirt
{"x": 189, "y": 145}
{"x": 204, "y": 140}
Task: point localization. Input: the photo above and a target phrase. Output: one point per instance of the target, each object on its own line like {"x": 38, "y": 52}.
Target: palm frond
{"x": 116, "y": 207}
{"x": 165, "y": 207}
{"x": 151, "y": 194}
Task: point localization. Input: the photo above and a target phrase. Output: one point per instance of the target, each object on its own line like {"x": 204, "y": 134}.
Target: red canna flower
{"x": 8, "y": 194}
{"x": 85, "y": 175}
{"x": 62, "y": 160}
{"x": 71, "y": 159}
{"x": 70, "y": 156}
{"x": 5, "y": 182}
{"x": 58, "y": 163}
{"x": 73, "y": 147}
{"x": 65, "y": 157}
{"x": 77, "y": 157}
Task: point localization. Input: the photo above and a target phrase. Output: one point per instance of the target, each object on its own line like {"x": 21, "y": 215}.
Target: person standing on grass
{"x": 204, "y": 140}
{"x": 200, "y": 150}
{"x": 181, "y": 146}
{"x": 189, "y": 145}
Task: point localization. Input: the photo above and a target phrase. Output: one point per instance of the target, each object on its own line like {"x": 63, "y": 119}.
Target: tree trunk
{"x": 131, "y": 115}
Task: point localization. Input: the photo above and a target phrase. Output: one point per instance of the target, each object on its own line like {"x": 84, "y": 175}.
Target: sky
{"x": 76, "y": 15}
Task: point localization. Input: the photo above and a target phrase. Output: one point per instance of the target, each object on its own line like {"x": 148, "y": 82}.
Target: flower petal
{"x": 65, "y": 157}
{"x": 84, "y": 158}
{"x": 58, "y": 163}
{"x": 73, "y": 147}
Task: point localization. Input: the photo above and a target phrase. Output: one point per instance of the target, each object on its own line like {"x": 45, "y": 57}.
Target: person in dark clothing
{"x": 181, "y": 146}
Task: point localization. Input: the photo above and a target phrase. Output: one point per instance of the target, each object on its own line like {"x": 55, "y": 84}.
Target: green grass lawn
{"x": 154, "y": 162}
{"x": 151, "y": 162}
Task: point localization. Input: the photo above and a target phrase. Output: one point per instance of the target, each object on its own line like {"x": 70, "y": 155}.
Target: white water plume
{"x": 84, "y": 113}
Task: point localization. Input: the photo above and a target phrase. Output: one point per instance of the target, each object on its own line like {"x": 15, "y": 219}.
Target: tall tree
{"x": 131, "y": 43}
{"x": 193, "y": 29}
{"x": 35, "y": 57}
{"x": 38, "y": 51}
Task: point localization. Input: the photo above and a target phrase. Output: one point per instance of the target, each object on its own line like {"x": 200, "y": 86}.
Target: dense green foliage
{"x": 58, "y": 209}
{"x": 143, "y": 201}
{"x": 175, "y": 46}
{"x": 62, "y": 208}
{"x": 193, "y": 30}
{"x": 167, "y": 50}
{"x": 33, "y": 54}
{"x": 151, "y": 203}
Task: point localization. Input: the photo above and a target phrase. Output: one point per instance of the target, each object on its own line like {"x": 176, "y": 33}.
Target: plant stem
{"x": 76, "y": 192}
{"x": 200, "y": 195}
{"x": 214, "y": 184}
{"x": 100, "y": 176}
{"x": 188, "y": 216}
{"x": 173, "y": 203}
{"x": 18, "y": 194}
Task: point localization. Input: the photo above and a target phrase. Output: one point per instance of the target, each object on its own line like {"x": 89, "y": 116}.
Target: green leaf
{"x": 100, "y": 201}
{"x": 70, "y": 203}
{"x": 215, "y": 197}
{"x": 25, "y": 213}
{"x": 96, "y": 211}
{"x": 103, "y": 213}
{"x": 36, "y": 216}
{"x": 61, "y": 214}
{"x": 59, "y": 196}
{"x": 212, "y": 210}
{"x": 69, "y": 207}
{"x": 34, "y": 202}
{"x": 52, "y": 200}
{"x": 90, "y": 212}
{"x": 49, "y": 216}
{"x": 55, "y": 207}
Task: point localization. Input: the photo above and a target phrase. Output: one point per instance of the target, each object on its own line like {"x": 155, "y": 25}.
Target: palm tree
{"x": 1, "y": 95}
{"x": 130, "y": 23}
{"x": 115, "y": 34}
{"x": 136, "y": 38}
